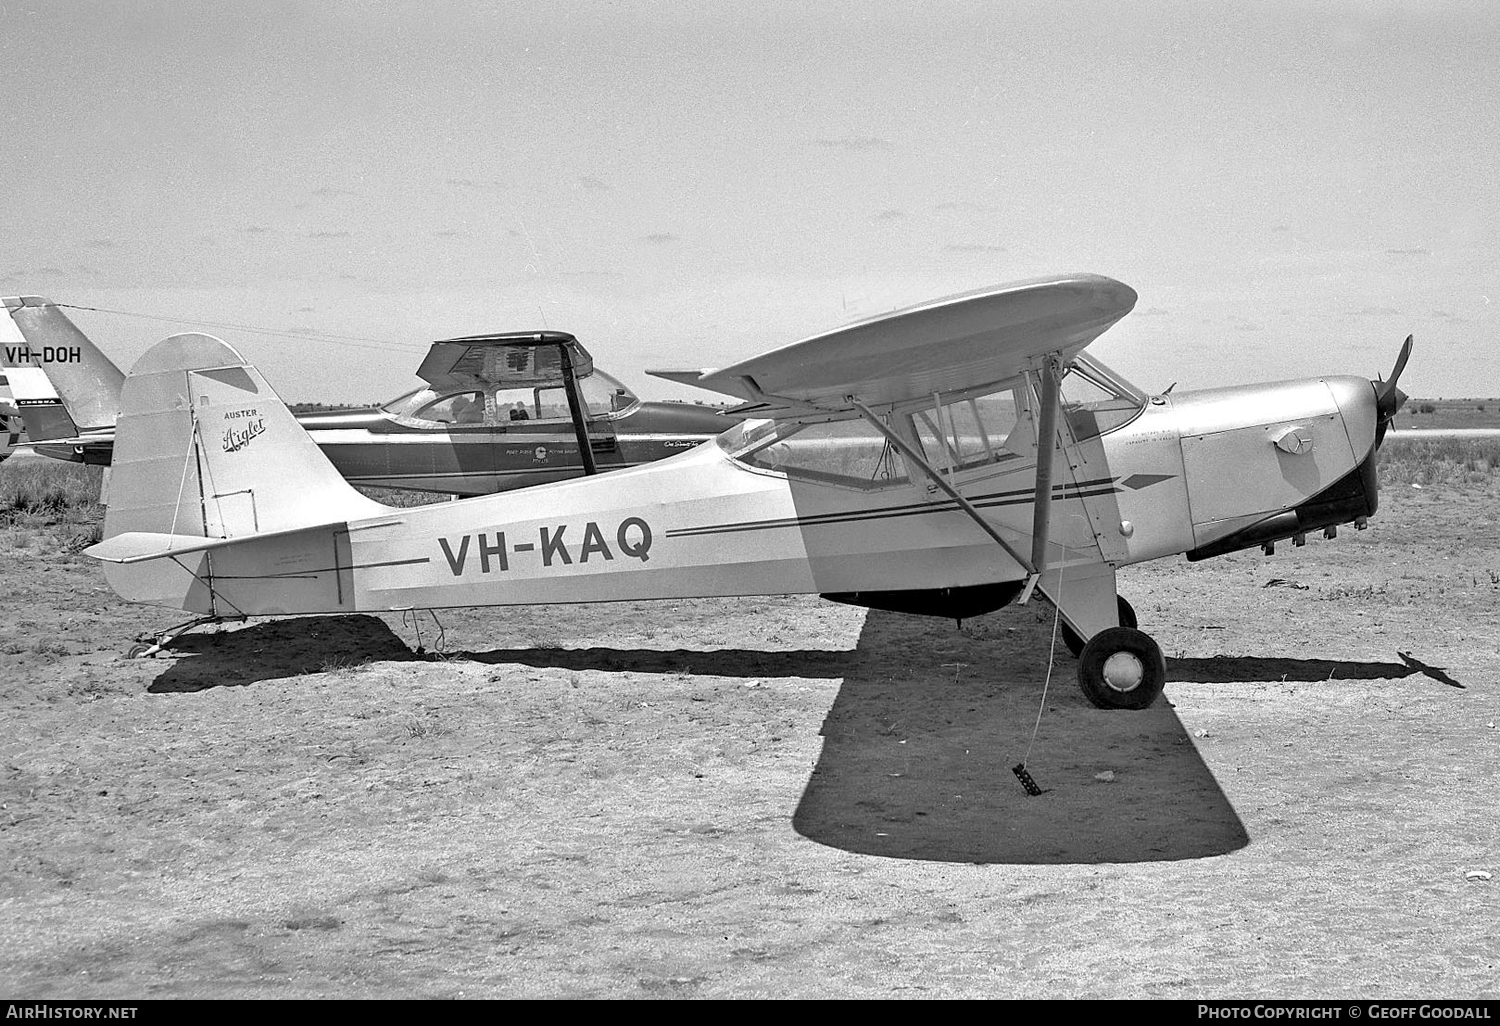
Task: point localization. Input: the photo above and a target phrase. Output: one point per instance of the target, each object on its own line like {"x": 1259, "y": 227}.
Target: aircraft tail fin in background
{"x": 205, "y": 448}
{"x": 37, "y": 336}
{"x": 36, "y": 403}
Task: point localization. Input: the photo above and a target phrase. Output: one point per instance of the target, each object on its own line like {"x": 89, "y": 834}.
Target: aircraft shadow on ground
{"x": 919, "y": 745}
{"x": 725, "y": 662}
{"x": 1222, "y": 669}
{"x": 275, "y": 649}
{"x": 919, "y": 742}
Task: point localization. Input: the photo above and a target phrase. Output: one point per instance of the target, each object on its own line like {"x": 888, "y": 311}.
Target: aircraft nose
{"x": 1359, "y": 407}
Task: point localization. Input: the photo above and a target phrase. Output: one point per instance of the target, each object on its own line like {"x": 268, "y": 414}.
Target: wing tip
{"x": 687, "y": 377}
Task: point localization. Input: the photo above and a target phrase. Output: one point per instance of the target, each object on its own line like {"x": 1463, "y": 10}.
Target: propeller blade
{"x": 1384, "y": 388}
{"x": 1388, "y": 398}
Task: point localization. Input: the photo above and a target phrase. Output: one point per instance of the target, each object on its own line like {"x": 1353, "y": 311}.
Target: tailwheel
{"x": 1075, "y": 643}
{"x": 149, "y": 646}
{"x": 1122, "y": 668}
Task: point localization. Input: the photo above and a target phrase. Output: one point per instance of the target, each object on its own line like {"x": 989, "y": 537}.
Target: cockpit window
{"x": 849, "y": 453}
{"x": 463, "y": 408}
{"x": 1095, "y": 401}
{"x": 607, "y": 396}
{"x": 602, "y": 396}
{"x": 407, "y": 404}
{"x": 971, "y": 431}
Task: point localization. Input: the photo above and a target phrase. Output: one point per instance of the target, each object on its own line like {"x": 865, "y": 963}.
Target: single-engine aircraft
{"x": 892, "y": 463}
{"x": 498, "y": 411}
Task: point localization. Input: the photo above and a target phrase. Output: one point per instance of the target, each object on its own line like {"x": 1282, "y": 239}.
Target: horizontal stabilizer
{"x": 66, "y": 441}
{"x": 139, "y": 546}
{"x": 143, "y": 546}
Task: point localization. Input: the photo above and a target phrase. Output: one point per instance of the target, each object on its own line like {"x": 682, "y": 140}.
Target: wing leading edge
{"x": 938, "y": 346}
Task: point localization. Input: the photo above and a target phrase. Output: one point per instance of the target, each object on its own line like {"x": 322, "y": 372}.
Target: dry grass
{"x": 1434, "y": 461}
{"x": 47, "y": 506}
{"x": 50, "y": 490}
{"x": 401, "y": 497}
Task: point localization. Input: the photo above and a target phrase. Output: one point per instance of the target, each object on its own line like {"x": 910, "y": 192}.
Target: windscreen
{"x": 1095, "y": 400}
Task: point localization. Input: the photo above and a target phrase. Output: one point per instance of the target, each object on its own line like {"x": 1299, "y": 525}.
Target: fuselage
{"x": 1186, "y": 475}
{"x": 758, "y": 513}
{"x": 372, "y": 448}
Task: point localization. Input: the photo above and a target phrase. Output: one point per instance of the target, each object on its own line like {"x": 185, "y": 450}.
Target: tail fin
{"x": 205, "y": 448}
{"x": 38, "y": 336}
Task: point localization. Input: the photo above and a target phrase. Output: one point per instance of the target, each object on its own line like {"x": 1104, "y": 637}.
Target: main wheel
{"x": 1122, "y": 668}
{"x": 1075, "y": 643}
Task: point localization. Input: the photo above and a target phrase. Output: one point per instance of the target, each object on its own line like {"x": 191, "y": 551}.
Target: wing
{"x": 518, "y": 360}
{"x": 945, "y": 344}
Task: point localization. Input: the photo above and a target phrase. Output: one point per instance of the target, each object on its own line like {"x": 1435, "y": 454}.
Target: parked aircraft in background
{"x": 497, "y": 411}
{"x": 947, "y": 459}
{"x": 11, "y": 431}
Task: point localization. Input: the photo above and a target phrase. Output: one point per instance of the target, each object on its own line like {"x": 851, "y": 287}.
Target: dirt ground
{"x": 773, "y": 797}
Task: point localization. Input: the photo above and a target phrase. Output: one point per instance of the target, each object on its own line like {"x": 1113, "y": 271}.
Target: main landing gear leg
{"x": 160, "y": 640}
{"x": 1075, "y": 643}
{"x": 1119, "y": 667}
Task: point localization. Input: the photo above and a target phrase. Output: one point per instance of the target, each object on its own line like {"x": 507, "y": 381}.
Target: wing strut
{"x": 575, "y": 409}
{"x": 1046, "y": 437}
{"x": 937, "y": 479}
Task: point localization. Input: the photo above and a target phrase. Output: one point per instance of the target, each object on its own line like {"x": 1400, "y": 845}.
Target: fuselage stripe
{"x": 321, "y": 570}
{"x": 574, "y": 469}
{"x": 1084, "y": 490}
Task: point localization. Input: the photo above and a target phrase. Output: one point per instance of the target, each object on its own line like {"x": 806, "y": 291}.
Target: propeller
{"x": 1388, "y": 398}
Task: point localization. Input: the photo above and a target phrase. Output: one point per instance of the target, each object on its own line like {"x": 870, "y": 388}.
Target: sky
{"x": 1291, "y": 187}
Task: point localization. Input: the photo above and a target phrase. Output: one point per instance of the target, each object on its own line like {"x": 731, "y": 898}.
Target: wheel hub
{"x": 1124, "y": 671}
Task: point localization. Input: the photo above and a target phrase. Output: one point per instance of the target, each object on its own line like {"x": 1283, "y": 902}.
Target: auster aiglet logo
{"x": 238, "y": 435}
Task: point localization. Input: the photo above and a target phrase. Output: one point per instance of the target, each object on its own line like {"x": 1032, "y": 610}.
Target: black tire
{"x": 1075, "y": 643}
{"x": 1131, "y": 683}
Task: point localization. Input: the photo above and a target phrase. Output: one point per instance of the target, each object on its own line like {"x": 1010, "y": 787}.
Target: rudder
{"x": 204, "y": 447}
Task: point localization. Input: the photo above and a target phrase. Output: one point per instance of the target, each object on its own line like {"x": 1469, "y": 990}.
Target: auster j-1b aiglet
{"x": 891, "y": 463}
